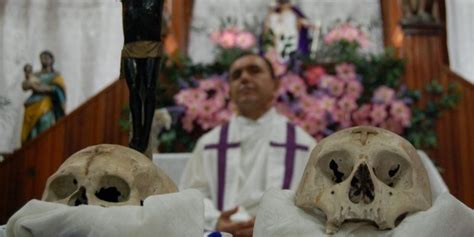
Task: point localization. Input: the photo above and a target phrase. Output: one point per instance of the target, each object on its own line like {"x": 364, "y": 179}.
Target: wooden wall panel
{"x": 424, "y": 48}
{"x": 181, "y": 21}
{"x": 456, "y": 142}
{"x": 23, "y": 174}
{"x": 425, "y": 58}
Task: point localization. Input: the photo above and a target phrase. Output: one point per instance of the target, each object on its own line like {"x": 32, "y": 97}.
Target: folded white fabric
{"x": 278, "y": 216}
{"x": 177, "y": 214}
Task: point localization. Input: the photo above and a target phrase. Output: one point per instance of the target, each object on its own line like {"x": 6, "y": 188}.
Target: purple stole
{"x": 222, "y": 146}
{"x": 290, "y": 149}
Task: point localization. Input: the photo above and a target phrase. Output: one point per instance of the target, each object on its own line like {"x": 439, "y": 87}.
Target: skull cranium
{"x": 364, "y": 174}
{"x": 106, "y": 175}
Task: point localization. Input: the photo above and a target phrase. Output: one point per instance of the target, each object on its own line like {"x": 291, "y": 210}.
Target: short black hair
{"x": 266, "y": 60}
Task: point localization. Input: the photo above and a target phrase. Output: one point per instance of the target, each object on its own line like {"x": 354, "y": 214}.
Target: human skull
{"x": 364, "y": 174}
{"x": 106, "y": 175}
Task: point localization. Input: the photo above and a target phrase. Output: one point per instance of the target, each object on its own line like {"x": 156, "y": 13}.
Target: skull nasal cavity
{"x": 79, "y": 198}
{"x": 362, "y": 187}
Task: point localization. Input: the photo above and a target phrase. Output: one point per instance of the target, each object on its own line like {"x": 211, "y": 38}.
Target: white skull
{"x": 364, "y": 174}
{"x": 106, "y": 175}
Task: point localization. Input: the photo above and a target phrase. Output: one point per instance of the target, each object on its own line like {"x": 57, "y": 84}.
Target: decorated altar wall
{"x": 209, "y": 14}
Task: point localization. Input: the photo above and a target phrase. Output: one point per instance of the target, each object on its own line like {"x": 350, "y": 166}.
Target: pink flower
{"x": 190, "y": 97}
{"x": 378, "y": 114}
{"x": 313, "y": 75}
{"x": 392, "y": 125}
{"x": 347, "y": 32}
{"x": 326, "y": 81}
{"x": 208, "y": 84}
{"x": 354, "y": 89}
{"x": 361, "y": 115}
{"x": 342, "y": 117}
{"x": 295, "y": 85}
{"x": 346, "y": 71}
{"x": 347, "y": 104}
{"x": 327, "y": 103}
{"x": 245, "y": 40}
{"x": 336, "y": 87}
{"x": 227, "y": 39}
{"x": 401, "y": 112}
{"x": 312, "y": 106}
{"x": 383, "y": 94}
{"x": 311, "y": 125}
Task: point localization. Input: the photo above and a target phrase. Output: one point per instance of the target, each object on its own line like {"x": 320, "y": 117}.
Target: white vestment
{"x": 249, "y": 157}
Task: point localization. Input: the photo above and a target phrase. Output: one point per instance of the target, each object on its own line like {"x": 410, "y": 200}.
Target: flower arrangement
{"x": 347, "y": 32}
{"x": 340, "y": 87}
{"x": 206, "y": 105}
{"x": 233, "y": 37}
{"x": 323, "y": 103}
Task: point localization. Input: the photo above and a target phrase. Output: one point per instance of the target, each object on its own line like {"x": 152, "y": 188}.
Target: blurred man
{"x": 233, "y": 164}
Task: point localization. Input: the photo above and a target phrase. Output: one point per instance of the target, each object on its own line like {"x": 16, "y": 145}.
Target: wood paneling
{"x": 456, "y": 139}
{"x": 425, "y": 51}
{"x": 23, "y": 174}
{"x": 181, "y": 21}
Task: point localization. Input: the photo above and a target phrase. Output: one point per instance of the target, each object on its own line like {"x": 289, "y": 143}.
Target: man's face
{"x": 251, "y": 83}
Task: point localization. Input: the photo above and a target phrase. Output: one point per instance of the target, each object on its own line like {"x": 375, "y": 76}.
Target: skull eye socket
{"x": 336, "y": 165}
{"x": 113, "y": 189}
{"x": 63, "y": 186}
{"x": 391, "y": 169}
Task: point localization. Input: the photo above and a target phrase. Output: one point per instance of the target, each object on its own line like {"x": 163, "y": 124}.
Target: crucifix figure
{"x": 141, "y": 56}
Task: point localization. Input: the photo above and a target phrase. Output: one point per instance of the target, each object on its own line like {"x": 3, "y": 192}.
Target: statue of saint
{"x": 288, "y": 29}
{"x": 141, "y": 57}
{"x": 47, "y": 103}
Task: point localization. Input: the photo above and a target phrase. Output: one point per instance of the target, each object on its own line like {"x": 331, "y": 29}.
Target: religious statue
{"x": 419, "y": 11}
{"x": 288, "y": 29}
{"x": 141, "y": 62}
{"x": 47, "y": 103}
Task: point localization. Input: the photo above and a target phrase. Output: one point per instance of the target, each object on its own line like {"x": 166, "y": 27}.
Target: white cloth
{"x": 278, "y": 216}
{"x": 168, "y": 215}
{"x": 85, "y": 37}
{"x": 251, "y": 168}
{"x": 461, "y": 37}
{"x": 208, "y": 15}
